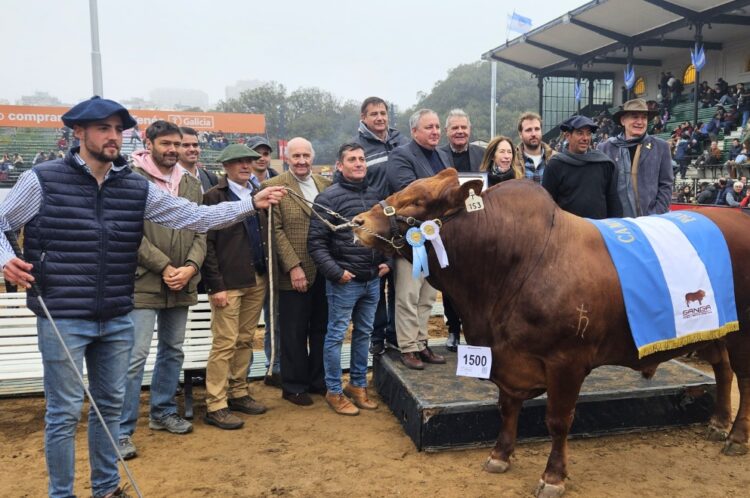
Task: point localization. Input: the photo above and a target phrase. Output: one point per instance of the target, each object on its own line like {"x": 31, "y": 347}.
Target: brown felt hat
{"x": 635, "y": 105}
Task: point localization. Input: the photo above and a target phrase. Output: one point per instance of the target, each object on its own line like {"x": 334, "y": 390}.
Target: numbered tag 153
{"x": 474, "y": 361}
{"x": 474, "y": 202}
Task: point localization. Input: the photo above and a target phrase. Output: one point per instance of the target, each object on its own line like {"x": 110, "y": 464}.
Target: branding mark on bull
{"x": 583, "y": 320}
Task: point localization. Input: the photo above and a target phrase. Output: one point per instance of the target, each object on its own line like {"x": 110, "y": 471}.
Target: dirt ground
{"x": 311, "y": 452}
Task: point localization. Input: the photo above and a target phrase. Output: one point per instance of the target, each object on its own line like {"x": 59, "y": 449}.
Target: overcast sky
{"x": 390, "y": 48}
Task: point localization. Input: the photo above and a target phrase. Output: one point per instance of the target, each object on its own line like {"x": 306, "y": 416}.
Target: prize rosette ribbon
{"x": 415, "y": 238}
{"x": 431, "y": 232}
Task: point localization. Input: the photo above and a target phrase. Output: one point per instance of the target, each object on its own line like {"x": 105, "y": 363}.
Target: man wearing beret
{"x": 582, "y": 181}
{"x": 644, "y": 163}
{"x": 234, "y": 274}
{"x": 83, "y": 218}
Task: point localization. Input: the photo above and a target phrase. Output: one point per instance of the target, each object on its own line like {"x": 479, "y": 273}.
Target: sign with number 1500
{"x": 474, "y": 361}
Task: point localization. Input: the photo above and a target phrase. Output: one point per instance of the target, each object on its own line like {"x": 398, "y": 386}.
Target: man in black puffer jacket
{"x": 352, "y": 274}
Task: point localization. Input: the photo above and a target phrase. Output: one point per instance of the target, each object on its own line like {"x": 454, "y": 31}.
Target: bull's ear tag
{"x": 474, "y": 202}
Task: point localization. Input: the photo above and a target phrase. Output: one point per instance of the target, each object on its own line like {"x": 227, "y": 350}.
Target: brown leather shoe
{"x": 341, "y": 404}
{"x": 246, "y": 404}
{"x": 223, "y": 419}
{"x": 411, "y": 360}
{"x": 359, "y": 397}
{"x": 428, "y": 356}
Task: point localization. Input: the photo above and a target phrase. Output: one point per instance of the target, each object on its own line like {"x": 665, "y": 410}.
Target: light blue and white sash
{"x": 676, "y": 278}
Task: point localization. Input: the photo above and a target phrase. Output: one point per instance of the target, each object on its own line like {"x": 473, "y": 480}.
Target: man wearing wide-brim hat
{"x": 644, "y": 163}
{"x": 234, "y": 274}
{"x": 83, "y": 217}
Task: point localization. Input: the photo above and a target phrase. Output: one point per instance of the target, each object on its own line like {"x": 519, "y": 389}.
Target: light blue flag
{"x": 519, "y": 23}
{"x": 698, "y": 58}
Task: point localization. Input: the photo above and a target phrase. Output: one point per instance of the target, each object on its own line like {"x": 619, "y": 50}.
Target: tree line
{"x": 328, "y": 122}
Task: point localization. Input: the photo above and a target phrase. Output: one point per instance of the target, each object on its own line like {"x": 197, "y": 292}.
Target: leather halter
{"x": 397, "y": 239}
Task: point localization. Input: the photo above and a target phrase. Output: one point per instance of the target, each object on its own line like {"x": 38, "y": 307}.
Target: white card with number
{"x": 474, "y": 361}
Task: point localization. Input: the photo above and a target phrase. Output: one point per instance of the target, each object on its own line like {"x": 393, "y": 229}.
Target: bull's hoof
{"x": 496, "y": 466}
{"x": 732, "y": 448}
{"x": 716, "y": 433}
{"x": 545, "y": 490}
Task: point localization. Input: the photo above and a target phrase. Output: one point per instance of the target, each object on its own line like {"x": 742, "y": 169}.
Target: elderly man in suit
{"x": 420, "y": 158}
{"x": 302, "y": 292}
{"x": 644, "y": 163}
{"x": 465, "y": 157}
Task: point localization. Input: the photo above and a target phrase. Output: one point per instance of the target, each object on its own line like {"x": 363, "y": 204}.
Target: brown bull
{"x": 521, "y": 271}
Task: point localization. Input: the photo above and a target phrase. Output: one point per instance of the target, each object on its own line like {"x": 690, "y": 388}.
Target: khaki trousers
{"x": 233, "y": 328}
{"x": 414, "y": 300}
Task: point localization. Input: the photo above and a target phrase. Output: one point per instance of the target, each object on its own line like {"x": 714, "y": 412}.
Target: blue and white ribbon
{"x": 431, "y": 232}
{"x": 416, "y": 240}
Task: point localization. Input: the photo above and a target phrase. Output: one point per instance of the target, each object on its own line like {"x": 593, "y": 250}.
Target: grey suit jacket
{"x": 408, "y": 163}
{"x": 476, "y": 154}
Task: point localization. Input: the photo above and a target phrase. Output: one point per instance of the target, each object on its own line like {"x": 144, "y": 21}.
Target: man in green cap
{"x": 234, "y": 274}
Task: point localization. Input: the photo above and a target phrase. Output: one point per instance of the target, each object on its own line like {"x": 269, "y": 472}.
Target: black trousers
{"x": 452, "y": 318}
{"x": 384, "y": 327}
{"x": 303, "y": 319}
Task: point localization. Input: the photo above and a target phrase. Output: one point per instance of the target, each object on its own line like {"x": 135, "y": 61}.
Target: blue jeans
{"x": 169, "y": 356}
{"x": 106, "y": 346}
{"x": 355, "y": 302}
{"x": 267, "y": 336}
{"x": 745, "y": 116}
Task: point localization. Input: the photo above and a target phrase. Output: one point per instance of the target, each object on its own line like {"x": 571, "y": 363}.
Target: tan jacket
{"x": 291, "y": 222}
{"x": 162, "y": 246}
{"x": 521, "y": 162}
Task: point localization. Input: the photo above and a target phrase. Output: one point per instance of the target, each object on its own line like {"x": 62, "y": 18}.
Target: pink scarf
{"x": 169, "y": 183}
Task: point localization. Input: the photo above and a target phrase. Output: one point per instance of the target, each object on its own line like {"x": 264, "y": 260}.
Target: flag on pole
{"x": 518, "y": 23}
{"x": 698, "y": 58}
{"x": 578, "y": 91}
{"x": 629, "y": 75}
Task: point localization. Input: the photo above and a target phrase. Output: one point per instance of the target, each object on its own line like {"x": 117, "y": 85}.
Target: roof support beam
{"x": 554, "y": 50}
{"x": 601, "y": 31}
{"x": 519, "y": 65}
{"x": 679, "y": 44}
{"x": 624, "y": 60}
{"x": 730, "y": 19}
{"x": 675, "y": 9}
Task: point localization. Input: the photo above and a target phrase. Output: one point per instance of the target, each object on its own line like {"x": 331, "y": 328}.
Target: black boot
{"x": 451, "y": 344}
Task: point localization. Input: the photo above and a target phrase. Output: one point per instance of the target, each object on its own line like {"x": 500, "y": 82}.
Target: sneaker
{"x": 223, "y": 419}
{"x": 127, "y": 448}
{"x": 341, "y": 404}
{"x": 377, "y": 348}
{"x": 246, "y": 404}
{"x": 171, "y": 423}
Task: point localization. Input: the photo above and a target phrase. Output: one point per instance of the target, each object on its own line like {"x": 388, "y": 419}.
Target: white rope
{"x": 271, "y": 300}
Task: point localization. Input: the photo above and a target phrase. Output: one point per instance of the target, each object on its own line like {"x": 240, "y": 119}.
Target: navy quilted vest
{"x": 84, "y": 241}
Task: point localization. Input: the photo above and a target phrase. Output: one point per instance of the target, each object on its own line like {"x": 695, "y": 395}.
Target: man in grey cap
{"x": 580, "y": 180}
{"x": 234, "y": 273}
{"x": 83, "y": 218}
{"x": 262, "y": 170}
{"x": 644, "y": 163}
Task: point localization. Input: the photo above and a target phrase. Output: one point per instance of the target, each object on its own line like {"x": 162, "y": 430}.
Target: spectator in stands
{"x": 190, "y": 156}
{"x": 663, "y": 87}
{"x": 685, "y": 196}
{"x": 91, "y": 318}
{"x": 722, "y": 87}
{"x": 17, "y": 161}
{"x": 729, "y": 98}
{"x": 301, "y": 288}
{"x": 743, "y": 104}
{"x": 583, "y": 181}
{"x": 681, "y": 154}
{"x": 532, "y": 154}
{"x": 352, "y": 274}
{"x": 732, "y": 154}
{"x": 734, "y": 196}
{"x": 729, "y": 120}
{"x": 39, "y": 157}
{"x": 168, "y": 272}
{"x": 722, "y": 188}
{"x": 708, "y": 193}
{"x": 236, "y": 278}
{"x": 740, "y": 162}
{"x": 262, "y": 171}
{"x": 675, "y": 89}
{"x": 641, "y": 158}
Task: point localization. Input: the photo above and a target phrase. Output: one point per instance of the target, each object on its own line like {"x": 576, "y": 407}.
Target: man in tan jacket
{"x": 166, "y": 285}
{"x": 302, "y": 300}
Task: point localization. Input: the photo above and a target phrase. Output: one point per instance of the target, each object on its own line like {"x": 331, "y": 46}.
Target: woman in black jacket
{"x": 499, "y": 161}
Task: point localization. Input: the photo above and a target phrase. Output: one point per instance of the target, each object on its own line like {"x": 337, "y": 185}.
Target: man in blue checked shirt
{"x": 83, "y": 217}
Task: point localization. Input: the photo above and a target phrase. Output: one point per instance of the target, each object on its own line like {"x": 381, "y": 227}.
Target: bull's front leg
{"x": 499, "y": 459}
{"x": 563, "y": 386}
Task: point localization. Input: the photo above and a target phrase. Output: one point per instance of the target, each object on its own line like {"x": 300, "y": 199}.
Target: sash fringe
{"x": 677, "y": 342}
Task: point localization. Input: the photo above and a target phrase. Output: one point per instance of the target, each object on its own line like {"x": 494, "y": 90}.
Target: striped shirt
{"x": 25, "y": 199}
